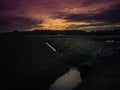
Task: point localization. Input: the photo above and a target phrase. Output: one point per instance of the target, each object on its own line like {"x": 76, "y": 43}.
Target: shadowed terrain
{"x": 97, "y": 58}
{"x": 27, "y": 63}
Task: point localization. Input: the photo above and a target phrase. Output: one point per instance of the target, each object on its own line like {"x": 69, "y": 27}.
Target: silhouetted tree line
{"x": 64, "y": 32}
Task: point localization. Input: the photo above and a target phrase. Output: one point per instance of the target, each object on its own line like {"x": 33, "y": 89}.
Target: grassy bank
{"x": 102, "y": 52}
{"x": 76, "y": 51}
{"x": 26, "y": 62}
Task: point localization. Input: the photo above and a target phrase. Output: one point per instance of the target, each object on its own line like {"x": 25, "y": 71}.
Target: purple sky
{"x": 59, "y": 14}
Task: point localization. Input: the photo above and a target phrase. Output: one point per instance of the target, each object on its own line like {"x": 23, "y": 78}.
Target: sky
{"x": 28, "y": 15}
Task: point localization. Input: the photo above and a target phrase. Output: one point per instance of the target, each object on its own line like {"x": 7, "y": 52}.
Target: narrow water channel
{"x": 68, "y": 81}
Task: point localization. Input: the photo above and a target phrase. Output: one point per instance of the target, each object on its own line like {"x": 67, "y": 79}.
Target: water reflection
{"x": 68, "y": 81}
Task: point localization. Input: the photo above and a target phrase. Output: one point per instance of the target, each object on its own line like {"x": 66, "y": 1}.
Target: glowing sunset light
{"x": 59, "y": 14}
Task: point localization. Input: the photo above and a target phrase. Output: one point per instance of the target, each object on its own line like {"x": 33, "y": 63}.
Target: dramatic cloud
{"x": 111, "y": 16}
{"x": 94, "y": 26}
{"x": 57, "y": 14}
{"x": 18, "y": 23}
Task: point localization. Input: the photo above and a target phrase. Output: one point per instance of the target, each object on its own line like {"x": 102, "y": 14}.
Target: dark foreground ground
{"x": 26, "y": 62}
{"x": 97, "y": 57}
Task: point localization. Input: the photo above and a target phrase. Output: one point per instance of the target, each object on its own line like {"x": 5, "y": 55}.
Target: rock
{"x": 105, "y": 51}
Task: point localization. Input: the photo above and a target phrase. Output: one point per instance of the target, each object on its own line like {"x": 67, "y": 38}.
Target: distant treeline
{"x": 64, "y": 32}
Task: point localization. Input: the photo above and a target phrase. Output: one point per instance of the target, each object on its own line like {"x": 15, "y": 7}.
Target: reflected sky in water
{"x": 68, "y": 81}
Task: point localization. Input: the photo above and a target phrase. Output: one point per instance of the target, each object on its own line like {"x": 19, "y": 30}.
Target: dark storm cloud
{"x": 87, "y": 26}
{"x": 17, "y": 23}
{"x": 6, "y": 5}
{"x": 25, "y": 14}
{"x": 3, "y": 8}
{"x": 112, "y": 16}
{"x": 82, "y": 26}
{"x": 89, "y": 2}
{"x": 60, "y": 15}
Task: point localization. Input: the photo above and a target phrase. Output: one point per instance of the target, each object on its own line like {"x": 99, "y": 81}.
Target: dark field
{"x": 26, "y": 62}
